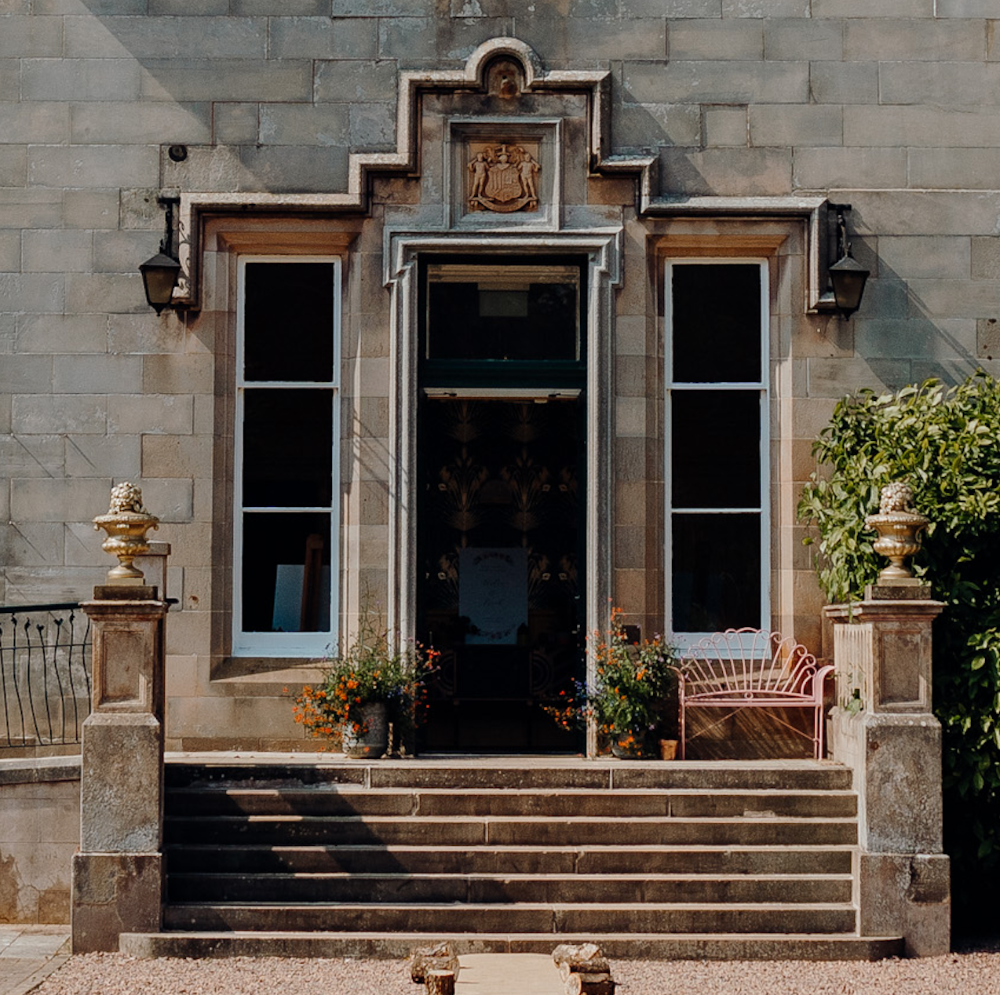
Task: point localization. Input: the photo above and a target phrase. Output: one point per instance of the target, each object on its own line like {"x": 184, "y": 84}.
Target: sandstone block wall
{"x": 887, "y": 104}
{"x": 39, "y": 833}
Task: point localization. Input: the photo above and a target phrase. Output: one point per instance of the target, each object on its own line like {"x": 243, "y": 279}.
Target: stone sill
{"x": 266, "y": 670}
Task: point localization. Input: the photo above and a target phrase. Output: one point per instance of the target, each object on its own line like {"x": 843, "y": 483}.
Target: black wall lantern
{"x": 847, "y": 275}
{"x": 160, "y": 272}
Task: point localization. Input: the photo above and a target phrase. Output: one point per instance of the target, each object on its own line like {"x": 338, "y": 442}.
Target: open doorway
{"x": 501, "y": 501}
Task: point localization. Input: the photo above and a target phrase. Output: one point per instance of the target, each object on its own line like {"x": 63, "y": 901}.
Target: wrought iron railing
{"x": 44, "y": 674}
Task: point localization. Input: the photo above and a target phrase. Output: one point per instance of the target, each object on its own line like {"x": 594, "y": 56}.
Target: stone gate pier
{"x": 118, "y": 873}
{"x": 884, "y": 729}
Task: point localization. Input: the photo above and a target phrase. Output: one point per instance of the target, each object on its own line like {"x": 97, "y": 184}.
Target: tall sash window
{"x": 717, "y": 459}
{"x": 286, "y": 488}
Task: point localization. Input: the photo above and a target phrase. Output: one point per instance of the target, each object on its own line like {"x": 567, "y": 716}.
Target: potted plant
{"x": 630, "y": 696}
{"x": 365, "y": 689}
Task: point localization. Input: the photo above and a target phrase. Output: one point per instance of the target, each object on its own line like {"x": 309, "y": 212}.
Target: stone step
{"x": 354, "y": 800}
{"x": 482, "y": 889}
{"x": 651, "y": 859}
{"x": 660, "y": 946}
{"x": 516, "y": 918}
{"x": 665, "y": 859}
{"x": 505, "y": 772}
{"x": 524, "y": 831}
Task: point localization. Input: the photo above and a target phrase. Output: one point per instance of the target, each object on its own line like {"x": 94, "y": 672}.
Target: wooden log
{"x": 596, "y": 966}
{"x": 582, "y": 958}
{"x": 440, "y": 982}
{"x": 439, "y": 957}
{"x": 576, "y": 952}
{"x": 590, "y": 984}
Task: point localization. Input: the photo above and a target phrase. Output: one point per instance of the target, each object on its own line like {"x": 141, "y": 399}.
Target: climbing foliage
{"x": 945, "y": 443}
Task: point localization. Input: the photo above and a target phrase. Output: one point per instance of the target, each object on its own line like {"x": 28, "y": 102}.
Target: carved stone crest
{"x": 503, "y": 177}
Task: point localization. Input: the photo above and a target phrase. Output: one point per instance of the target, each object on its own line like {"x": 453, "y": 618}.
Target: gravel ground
{"x": 968, "y": 973}
{"x": 118, "y": 974}
{"x": 972, "y": 973}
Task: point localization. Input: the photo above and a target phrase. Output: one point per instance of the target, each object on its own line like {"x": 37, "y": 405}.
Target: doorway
{"x": 501, "y": 440}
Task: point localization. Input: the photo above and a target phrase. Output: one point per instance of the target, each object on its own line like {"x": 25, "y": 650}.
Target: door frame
{"x": 603, "y": 250}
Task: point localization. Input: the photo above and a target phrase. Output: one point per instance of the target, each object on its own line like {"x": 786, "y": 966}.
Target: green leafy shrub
{"x": 945, "y": 443}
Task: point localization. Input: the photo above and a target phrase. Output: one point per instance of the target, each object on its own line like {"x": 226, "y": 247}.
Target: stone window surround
{"x": 786, "y": 243}
{"x": 226, "y": 239}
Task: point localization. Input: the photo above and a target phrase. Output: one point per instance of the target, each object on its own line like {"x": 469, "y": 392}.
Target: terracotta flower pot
{"x": 668, "y": 749}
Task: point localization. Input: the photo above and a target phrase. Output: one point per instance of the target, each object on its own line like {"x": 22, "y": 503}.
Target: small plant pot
{"x": 373, "y": 741}
{"x": 668, "y": 749}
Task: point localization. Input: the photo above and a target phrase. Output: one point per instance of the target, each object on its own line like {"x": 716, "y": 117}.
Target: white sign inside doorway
{"x": 493, "y": 594}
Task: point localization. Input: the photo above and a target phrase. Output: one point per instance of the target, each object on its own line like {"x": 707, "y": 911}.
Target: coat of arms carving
{"x": 503, "y": 177}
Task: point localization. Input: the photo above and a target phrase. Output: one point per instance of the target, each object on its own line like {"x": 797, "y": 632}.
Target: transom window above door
{"x": 490, "y": 321}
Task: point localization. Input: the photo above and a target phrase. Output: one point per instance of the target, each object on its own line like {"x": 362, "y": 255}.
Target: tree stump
{"x": 439, "y": 957}
{"x": 440, "y": 982}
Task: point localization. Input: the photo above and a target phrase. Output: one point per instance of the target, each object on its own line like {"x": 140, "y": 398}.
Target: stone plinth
{"x": 883, "y": 727}
{"x": 117, "y": 875}
{"x": 114, "y": 893}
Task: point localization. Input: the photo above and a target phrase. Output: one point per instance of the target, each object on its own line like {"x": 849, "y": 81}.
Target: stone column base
{"x": 114, "y": 893}
{"x": 909, "y": 895}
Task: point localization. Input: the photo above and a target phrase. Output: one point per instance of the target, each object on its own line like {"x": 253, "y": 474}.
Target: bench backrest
{"x": 747, "y": 663}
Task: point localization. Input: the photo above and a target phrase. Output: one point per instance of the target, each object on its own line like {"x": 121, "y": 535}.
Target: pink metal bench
{"x": 751, "y": 668}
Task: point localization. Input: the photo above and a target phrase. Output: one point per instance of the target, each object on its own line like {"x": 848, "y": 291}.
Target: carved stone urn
{"x": 899, "y": 529}
{"x": 126, "y": 524}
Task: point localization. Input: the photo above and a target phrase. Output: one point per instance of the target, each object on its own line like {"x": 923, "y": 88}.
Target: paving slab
{"x": 29, "y": 954}
{"x": 508, "y": 974}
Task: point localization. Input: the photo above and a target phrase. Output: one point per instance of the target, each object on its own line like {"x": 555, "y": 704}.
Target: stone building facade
{"x": 476, "y": 296}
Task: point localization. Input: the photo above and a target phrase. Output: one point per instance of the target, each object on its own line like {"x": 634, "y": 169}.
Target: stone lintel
{"x": 908, "y": 895}
{"x": 114, "y": 893}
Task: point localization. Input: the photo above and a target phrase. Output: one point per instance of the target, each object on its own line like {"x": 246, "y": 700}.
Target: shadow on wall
{"x": 897, "y": 335}
{"x": 265, "y": 103}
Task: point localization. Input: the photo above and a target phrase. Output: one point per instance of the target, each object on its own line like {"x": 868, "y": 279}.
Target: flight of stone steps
{"x": 660, "y": 860}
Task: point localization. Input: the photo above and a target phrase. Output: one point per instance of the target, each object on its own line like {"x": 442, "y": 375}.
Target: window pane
{"x": 715, "y": 448}
{"x": 716, "y": 572}
{"x": 288, "y": 322}
{"x": 288, "y": 448}
{"x": 286, "y": 572}
{"x": 538, "y": 320}
{"x": 716, "y": 323}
